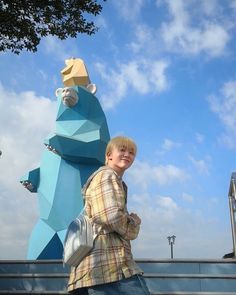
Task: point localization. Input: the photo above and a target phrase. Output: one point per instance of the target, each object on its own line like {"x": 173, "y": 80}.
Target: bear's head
{"x": 81, "y": 133}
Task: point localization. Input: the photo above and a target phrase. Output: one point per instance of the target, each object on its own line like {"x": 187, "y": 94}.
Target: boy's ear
{"x": 109, "y": 155}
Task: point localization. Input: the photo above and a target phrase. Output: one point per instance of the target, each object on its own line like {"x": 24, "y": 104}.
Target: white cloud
{"x": 145, "y": 41}
{"x": 59, "y": 49}
{"x": 183, "y": 36}
{"x": 224, "y": 105}
{"x": 44, "y": 75}
{"x": 129, "y": 9}
{"x": 135, "y": 76}
{"x": 162, "y": 216}
{"x": 168, "y": 144}
{"x": 142, "y": 76}
{"x": 143, "y": 174}
{"x": 100, "y": 22}
{"x": 187, "y": 197}
{"x": 25, "y": 120}
{"x": 116, "y": 84}
{"x": 233, "y": 4}
{"x": 201, "y": 165}
{"x": 210, "y": 8}
{"x": 164, "y": 174}
{"x": 157, "y": 75}
{"x": 199, "y": 137}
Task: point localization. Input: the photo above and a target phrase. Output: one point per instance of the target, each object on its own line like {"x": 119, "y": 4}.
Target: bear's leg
{"x": 44, "y": 243}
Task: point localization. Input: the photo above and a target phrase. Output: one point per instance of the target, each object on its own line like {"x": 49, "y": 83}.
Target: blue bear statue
{"x": 74, "y": 151}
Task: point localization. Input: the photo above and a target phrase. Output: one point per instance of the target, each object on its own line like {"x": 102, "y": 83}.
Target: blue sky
{"x": 165, "y": 73}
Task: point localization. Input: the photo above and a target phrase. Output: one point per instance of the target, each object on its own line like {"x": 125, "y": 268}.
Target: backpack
{"x": 79, "y": 237}
{"x": 79, "y": 240}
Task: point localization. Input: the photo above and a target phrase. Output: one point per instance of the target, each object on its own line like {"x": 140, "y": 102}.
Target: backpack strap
{"x": 86, "y": 185}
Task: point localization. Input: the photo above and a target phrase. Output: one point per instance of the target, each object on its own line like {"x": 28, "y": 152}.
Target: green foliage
{"x": 24, "y": 22}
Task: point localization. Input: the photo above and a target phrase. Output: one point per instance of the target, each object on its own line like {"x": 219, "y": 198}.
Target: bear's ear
{"x": 92, "y": 88}
{"x": 58, "y": 91}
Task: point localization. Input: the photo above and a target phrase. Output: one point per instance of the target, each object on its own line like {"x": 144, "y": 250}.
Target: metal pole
{"x": 171, "y": 240}
{"x": 232, "y": 202}
{"x": 171, "y": 249}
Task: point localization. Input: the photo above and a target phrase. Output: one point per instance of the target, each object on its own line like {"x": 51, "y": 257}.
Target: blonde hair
{"x": 118, "y": 142}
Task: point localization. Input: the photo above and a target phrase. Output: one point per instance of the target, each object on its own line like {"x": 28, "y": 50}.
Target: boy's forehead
{"x": 126, "y": 146}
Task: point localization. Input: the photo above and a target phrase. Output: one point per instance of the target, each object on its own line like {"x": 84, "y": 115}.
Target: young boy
{"x": 109, "y": 269}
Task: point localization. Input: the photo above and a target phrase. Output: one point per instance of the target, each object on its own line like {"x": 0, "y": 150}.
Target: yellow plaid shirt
{"x": 111, "y": 259}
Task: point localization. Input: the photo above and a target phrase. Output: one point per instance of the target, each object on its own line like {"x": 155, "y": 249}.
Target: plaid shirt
{"x": 111, "y": 259}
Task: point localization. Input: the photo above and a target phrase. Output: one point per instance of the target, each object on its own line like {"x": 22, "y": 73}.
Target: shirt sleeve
{"x": 108, "y": 206}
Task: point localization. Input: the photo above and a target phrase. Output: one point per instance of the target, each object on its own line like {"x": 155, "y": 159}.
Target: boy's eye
{"x": 122, "y": 149}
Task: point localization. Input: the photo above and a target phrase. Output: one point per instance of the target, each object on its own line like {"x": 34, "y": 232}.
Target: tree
{"x": 24, "y": 22}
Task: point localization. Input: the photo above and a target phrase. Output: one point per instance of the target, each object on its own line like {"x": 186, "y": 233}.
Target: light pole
{"x": 171, "y": 240}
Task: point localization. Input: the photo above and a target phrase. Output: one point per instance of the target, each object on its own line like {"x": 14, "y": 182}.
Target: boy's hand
{"x": 135, "y": 219}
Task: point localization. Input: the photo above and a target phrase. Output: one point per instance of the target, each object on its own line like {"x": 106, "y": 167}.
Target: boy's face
{"x": 120, "y": 159}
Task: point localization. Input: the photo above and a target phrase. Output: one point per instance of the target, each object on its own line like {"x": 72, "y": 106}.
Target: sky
{"x": 166, "y": 77}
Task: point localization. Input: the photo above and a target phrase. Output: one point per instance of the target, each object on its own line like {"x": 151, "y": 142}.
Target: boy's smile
{"x": 121, "y": 159}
